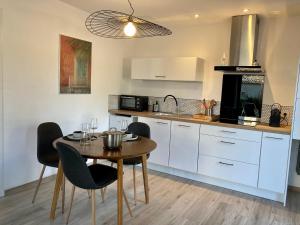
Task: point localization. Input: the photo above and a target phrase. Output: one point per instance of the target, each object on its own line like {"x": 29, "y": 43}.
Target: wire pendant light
{"x": 118, "y": 25}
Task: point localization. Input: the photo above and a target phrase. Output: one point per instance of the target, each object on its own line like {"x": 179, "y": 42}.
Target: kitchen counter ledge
{"x": 190, "y": 119}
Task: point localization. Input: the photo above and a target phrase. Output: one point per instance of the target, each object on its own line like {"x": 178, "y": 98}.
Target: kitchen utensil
{"x": 112, "y": 139}
{"x": 212, "y": 103}
{"x": 275, "y": 115}
{"x": 204, "y": 104}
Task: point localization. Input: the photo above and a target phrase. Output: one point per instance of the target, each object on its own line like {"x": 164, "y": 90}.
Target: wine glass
{"x": 124, "y": 126}
{"x": 94, "y": 126}
{"x": 85, "y": 133}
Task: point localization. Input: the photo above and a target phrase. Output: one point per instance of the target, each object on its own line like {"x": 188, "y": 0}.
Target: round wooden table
{"x": 130, "y": 149}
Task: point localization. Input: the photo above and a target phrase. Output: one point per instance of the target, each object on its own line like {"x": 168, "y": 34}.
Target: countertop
{"x": 190, "y": 119}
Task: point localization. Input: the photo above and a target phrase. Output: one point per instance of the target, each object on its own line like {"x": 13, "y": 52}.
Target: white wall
{"x": 207, "y": 41}
{"x": 278, "y": 53}
{"x": 1, "y": 113}
{"x": 31, "y": 31}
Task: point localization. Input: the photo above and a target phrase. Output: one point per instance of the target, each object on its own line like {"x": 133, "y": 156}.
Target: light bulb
{"x": 130, "y": 29}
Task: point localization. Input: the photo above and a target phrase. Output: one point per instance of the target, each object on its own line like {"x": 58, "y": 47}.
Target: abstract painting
{"x": 75, "y": 66}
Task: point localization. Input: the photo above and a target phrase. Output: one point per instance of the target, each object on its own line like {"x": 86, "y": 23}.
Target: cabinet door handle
{"x": 180, "y": 125}
{"x": 160, "y": 76}
{"x": 228, "y": 142}
{"x": 226, "y": 164}
{"x": 229, "y": 132}
{"x": 161, "y": 123}
{"x": 276, "y": 138}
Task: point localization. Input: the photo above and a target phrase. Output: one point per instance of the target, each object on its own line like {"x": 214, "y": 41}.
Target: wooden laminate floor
{"x": 173, "y": 201}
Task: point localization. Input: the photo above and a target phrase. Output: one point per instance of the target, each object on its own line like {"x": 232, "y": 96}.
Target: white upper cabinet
{"x": 147, "y": 68}
{"x": 273, "y": 162}
{"x": 172, "y": 69}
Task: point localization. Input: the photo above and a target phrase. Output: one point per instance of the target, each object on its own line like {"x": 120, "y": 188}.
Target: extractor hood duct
{"x": 243, "y": 44}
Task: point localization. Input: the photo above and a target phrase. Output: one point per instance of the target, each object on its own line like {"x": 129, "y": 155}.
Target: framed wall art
{"x": 75, "y": 65}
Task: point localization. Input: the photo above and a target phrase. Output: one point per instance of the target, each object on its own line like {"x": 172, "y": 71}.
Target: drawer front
{"x": 248, "y": 135}
{"x": 228, "y": 170}
{"x": 228, "y": 148}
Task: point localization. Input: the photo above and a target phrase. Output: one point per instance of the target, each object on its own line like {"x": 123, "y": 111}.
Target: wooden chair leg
{"x": 127, "y": 203}
{"x": 134, "y": 183}
{"x": 145, "y": 177}
{"x": 71, "y": 203}
{"x": 93, "y": 207}
{"x": 94, "y": 161}
{"x": 58, "y": 182}
{"x": 63, "y": 190}
{"x": 39, "y": 184}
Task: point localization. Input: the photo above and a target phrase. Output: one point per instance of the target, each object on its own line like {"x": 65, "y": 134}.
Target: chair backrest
{"x": 74, "y": 167}
{"x": 46, "y": 134}
{"x": 140, "y": 129}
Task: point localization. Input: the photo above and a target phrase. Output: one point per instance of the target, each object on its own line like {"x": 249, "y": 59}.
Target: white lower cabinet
{"x": 184, "y": 146}
{"x": 273, "y": 162}
{"x": 247, "y": 158}
{"x": 115, "y": 121}
{"x": 160, "y": 133}
{"x": 228, "y": 170}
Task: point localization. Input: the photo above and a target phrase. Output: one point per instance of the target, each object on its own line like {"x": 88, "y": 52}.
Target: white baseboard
{"x": 220, "y": 183}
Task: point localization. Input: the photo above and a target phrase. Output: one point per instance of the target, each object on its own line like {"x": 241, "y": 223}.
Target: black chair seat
{"x": 103, "y": 175}
{"x": 51, "y": 159}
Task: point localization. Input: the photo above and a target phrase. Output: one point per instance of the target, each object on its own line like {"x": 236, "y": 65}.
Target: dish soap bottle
{"x": 155, "y": 107}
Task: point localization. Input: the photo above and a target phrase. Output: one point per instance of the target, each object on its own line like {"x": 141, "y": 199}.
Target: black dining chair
{"x": 143, "y": 130}
{"x": 46, "y": 154}
{"x": 96, "y": 176}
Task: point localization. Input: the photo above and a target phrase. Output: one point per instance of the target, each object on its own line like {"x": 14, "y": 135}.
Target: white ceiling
{"x": 184, "y": 10}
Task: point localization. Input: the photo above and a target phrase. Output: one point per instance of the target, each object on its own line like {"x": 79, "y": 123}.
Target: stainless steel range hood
{"x": 243, "y": 44}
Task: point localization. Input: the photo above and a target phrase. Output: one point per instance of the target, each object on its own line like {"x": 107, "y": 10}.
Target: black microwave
{"x": 132, "y": 102}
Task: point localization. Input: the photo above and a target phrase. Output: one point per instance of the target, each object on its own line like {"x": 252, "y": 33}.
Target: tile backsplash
{"x": 193, "y": 106}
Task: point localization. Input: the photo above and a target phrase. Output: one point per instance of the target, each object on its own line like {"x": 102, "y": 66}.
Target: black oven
{"x": 242, "y": 97}
{"x": 132, "y": 102}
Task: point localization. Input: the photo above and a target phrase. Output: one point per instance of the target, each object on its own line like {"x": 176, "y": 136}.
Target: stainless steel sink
{"x": 163, "y": 114}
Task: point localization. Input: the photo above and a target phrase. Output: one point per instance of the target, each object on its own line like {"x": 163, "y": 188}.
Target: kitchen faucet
{"x": 177, "y": 105}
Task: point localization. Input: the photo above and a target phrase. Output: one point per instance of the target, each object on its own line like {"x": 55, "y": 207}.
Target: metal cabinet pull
{"x": 180, "y": 125}
{"x": 276, "y": 138}
{"x": 227, "y": 131}
{"x": 160, "y": 76}
{"x": 161, "y": 123}
{"x": 226, "y": 164}
{"x": 228, "y": 142}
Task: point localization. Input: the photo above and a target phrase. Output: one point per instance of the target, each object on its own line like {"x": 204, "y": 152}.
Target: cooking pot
{"x": 112, "y": 139}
